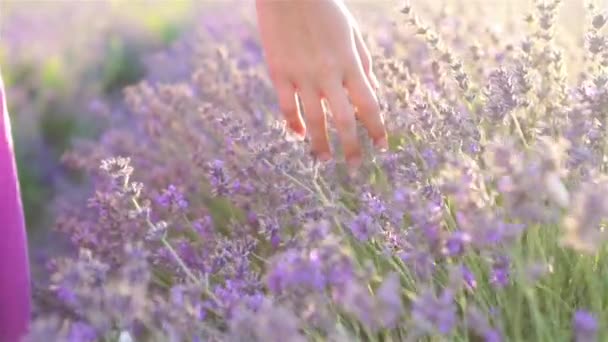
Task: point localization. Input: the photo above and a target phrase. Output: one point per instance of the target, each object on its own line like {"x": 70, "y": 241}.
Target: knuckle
{"x": 327, "y": 66}
{"x": 281, "y": 70}
{"x": 276, "y": 75}
{"x": 316, "y": 120}
{"x": 343, "y": 122}
{"x": 289, "y": 109}
{"x": 326, "y": 79}
{"x": 368, "y": 106}
{"x": 352, "y": 59}
{"x": 303, "y": 71}
{"x": 376, "y": 132}
{"x": 352, "y": 150}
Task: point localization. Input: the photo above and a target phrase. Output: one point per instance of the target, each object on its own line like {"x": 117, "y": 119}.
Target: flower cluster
{"x": 62, "y": 63}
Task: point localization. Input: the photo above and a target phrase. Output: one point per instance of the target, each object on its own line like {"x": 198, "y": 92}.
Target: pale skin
{"x": 313, "y": 48}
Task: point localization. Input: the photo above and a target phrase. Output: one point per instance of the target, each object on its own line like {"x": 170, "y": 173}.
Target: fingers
{"x": 344, "y": 119}
{"x": 358, "y": 82}
{"x": 348, "y": 86}
{"x": 316, "y": 121}
{"x": 289, "y": 107}
{"x": 365, "y": 57}
{"x": 368, "y": 110}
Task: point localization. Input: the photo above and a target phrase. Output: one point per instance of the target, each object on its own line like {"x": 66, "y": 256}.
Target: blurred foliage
{"x": 122, "y": 66}
{"x": 53, "y": 79}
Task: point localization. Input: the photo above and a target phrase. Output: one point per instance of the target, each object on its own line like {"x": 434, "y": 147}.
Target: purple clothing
{"x": 14, "y": 264}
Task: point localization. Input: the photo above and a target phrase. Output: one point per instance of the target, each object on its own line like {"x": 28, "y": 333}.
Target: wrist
{"x": 283, "y": 2}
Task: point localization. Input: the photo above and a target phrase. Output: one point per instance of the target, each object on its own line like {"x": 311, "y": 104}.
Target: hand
{"x": 314, "y": 48}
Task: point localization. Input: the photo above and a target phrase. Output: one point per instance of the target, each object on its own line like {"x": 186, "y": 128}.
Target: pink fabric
{"x": 14, "y": 264}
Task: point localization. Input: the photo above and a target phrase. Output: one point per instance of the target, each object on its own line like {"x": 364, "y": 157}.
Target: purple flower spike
{"x": 500, "y": 272}
{"x": 435, "y": 314}
{"x": 455, "y": 245}
{"x": 173, "y": 199}
{"x": 81, "y": 332}
{"x": 363, "y": 227}
{"x": 585, "y": 326}
{"x": 468, "y": 278}
{"x": 492, "y": 335}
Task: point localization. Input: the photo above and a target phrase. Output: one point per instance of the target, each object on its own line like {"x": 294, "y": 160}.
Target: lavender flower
{"x": 382, "y": 310}
{"x": 501, "y": 95}
{"x": 390, "y": 303}
{"x": 585, "y": 326}
{"x": 209, "y": 222}
{"x": 469, "y": 278}
{"x": 479, "y": 324}
{"x": 82, "y": 332}
{"x": 269, "y": 323}
{"x": 435, "y": 314}
{"x": 456, "y": 243}
{"x": 363, "y": 227}
{"x": 500, "y": 273}
{"x": 172, "y": 198}
{"x": 583, "y": 229}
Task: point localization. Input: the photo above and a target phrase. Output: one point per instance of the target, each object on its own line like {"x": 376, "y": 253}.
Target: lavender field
{"x": 186, "y": 211}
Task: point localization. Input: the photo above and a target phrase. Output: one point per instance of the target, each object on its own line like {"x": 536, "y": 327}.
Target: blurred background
{"x": 64, "y": 61}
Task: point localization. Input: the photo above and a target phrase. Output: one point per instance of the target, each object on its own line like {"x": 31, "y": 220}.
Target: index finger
{"x": 344, "y": 118}
{"x": 368, "y": 110}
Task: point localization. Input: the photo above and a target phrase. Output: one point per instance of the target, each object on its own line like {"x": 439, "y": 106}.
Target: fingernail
{"x": 382, "y": 144}
{"x": 300, "y": 136}
{"x": 353, "y": 166}
{"x": 324, "y": 156}
{"x": 320, "y": 156}
{"x": 298, "y": 131}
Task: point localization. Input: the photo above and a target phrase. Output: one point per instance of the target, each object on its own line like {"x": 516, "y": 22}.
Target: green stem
{"x": 520, "y": 132}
